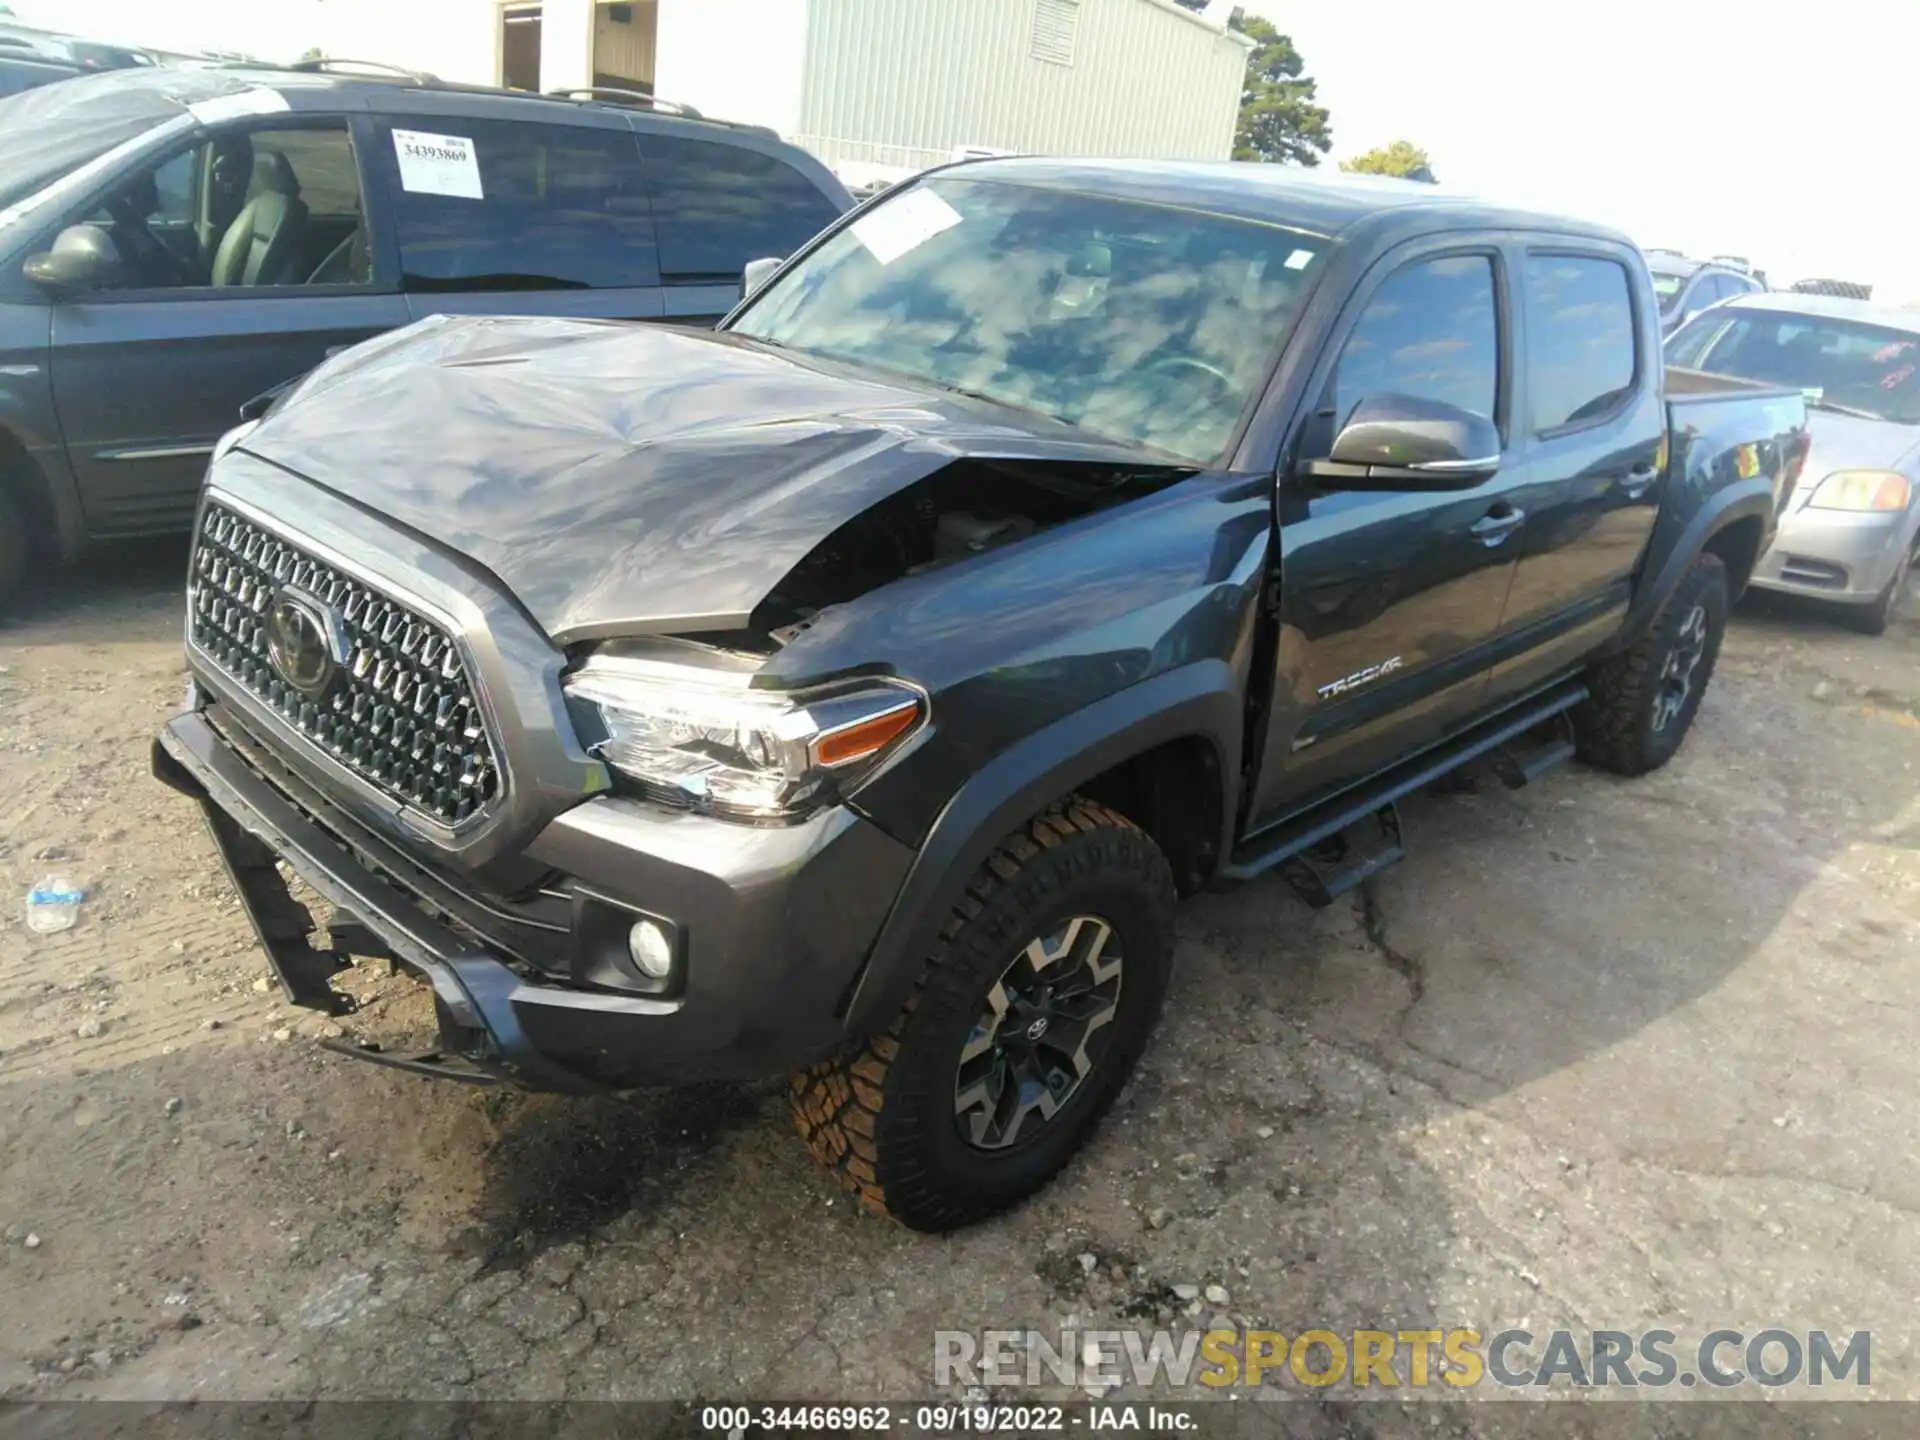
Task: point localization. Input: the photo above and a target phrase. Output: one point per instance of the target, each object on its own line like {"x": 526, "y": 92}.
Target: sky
{"x": 1781, "y": 132}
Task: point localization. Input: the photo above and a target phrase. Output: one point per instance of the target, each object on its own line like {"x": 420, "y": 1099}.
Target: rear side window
{"x": 717, "y": 206}
{"x": 493, "y": 205}
{"x": 1432, "y": 331}
{"x": 1580, "y": 348}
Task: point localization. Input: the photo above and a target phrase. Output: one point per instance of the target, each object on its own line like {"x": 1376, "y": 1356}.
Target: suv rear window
{"x": 718, "y": 206}
{"x": 560, "y": 207}
{"x": 1580, "y": 347}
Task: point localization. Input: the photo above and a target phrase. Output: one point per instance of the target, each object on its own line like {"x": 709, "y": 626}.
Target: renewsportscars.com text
{"x": 1391, "y": 1359}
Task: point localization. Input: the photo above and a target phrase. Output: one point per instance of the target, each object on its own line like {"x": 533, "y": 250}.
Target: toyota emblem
{"x": 303, "y": 642}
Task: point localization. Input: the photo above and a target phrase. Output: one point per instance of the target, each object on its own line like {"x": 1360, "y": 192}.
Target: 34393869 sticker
{"x": 437, "y": 164}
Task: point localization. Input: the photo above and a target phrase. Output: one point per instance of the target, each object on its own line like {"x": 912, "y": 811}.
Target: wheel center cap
{"x": 1037, "y": 1028}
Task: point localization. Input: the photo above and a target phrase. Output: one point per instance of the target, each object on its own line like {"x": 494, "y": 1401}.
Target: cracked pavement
{"x": 1599, "y": 1054}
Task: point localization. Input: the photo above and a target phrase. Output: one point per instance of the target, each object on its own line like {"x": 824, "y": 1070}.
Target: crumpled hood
{"x": 1846, "y": 442}
{"x": 627, "y": 479}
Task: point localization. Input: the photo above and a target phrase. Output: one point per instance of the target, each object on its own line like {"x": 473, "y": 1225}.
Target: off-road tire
{"x": 16, "y": 547}
{"x": 1877, "y": 614}
{"x": 881, "y": 1118}
{"x": 1614, "y": 728}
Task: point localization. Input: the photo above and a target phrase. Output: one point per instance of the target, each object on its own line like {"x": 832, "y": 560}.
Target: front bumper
{"x": 1842, "y": 555}
{"x": 775, "y": 925}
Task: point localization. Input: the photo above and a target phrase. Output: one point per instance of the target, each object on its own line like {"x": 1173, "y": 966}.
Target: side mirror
{"x": 83, "y": 257}
{"x": 1399, "y": 442}
{"x": 758, "y": 272}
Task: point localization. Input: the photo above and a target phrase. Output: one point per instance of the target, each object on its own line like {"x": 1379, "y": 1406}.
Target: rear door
{"x": 147, "y": 374}
{"x": 718, "y": 204}
{"x": 499, "y": 216}
{"x": 1587, "y": 468}
{"x": 1390, "y": 599}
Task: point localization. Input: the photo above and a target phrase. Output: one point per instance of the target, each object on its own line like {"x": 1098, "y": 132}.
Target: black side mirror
{"x": 758, "y": 272}
{"x": 83, "y": 257}
{"x": 1400, "y": 442}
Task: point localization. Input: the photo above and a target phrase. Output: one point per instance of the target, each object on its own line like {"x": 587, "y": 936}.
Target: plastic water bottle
{"x": 53, "y": 905}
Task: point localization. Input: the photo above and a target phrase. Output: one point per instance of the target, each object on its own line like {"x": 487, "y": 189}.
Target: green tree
{"x": 1278, "y": 119}
{"x": 1402, "y": 158}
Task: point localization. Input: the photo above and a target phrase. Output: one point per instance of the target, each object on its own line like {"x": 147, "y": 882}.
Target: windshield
{"x": 1134, "y": 321}
{"x": 1845, "y": 363}
{"x": 1668, "y": 288}
{"x": 49, "y": 131}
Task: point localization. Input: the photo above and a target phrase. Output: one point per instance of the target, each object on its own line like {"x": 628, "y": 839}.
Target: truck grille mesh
{"x": 400, "y": 713}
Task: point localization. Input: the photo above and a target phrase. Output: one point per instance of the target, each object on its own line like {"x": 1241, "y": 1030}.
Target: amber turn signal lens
{"x": 865, "y": 737}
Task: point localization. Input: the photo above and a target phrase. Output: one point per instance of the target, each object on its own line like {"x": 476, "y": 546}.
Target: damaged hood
{"x": 628, "y": 479}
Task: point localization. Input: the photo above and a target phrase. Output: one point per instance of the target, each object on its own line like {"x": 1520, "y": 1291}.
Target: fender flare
{"x": 1743, "y": 500}
{"x": 1203, "y": 699}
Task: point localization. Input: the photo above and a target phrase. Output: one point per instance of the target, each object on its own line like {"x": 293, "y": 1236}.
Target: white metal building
{"x": 876, "y": 88}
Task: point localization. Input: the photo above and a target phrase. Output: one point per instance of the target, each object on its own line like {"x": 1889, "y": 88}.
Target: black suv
{"x": 173, "y": 242}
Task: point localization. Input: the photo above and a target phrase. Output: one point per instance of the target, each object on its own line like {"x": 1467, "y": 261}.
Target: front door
{"x": 245, "y": 263}
{"x": 1390, "y": 599}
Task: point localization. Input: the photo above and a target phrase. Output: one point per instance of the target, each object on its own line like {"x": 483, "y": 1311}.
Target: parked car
{"x": 1845, "y": 289}
{"x": 1853, "y": 536}
{"x": 174, "y": 242}
{"x": 23, "y": 41}
{"x": 852, "y": 689}
{"x": 1686, "y": 287}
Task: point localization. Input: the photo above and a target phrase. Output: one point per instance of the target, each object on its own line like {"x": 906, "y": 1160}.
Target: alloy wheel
{"x": 1676, "y": 676}
{"x": 1039, "y": 1034}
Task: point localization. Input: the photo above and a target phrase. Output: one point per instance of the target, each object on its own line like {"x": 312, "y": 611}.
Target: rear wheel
{"x": 1642, "y": 701}
{"x": 1033, "y": 1008}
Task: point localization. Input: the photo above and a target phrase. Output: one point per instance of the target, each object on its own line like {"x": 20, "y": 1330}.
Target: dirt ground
{"x": 1601, "y": 1054}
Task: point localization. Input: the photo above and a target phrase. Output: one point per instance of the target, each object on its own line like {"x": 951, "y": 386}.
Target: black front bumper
{"x": 767, "y": 968}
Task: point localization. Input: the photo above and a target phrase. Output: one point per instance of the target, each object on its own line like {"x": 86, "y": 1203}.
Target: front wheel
{"x": 1033, "y": 1008}
{"x": 1641, "y": 702}
{"x": 1877, "y": 614}
{"x": 15, "y": 551}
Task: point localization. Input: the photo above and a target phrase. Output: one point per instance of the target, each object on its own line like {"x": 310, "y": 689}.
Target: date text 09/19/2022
{"x": 740, "y": 1420}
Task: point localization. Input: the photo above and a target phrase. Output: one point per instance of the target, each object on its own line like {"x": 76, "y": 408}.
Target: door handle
{"x": 1491, "y": 529}
{"x": 1639, "y": 480}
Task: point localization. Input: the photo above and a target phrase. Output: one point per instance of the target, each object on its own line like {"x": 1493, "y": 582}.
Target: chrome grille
{"x": 400, "y": 713}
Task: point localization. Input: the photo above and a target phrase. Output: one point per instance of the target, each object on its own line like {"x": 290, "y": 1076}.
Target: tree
{"x": 1278, "y": 119}
{"x": 1402, "y": 158}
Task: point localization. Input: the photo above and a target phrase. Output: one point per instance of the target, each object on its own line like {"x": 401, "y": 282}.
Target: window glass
{"x": 559, "y": 207}
{"x": 1136, "y": 322}
{"x": 1580, "y": 349}
{"x": 1432, "y": 332}
{"x": 243, "y": 208}
{"x": 718, "y": 206}
{"x": 1667, "y": 287}
{"x": 1866, "y": 368}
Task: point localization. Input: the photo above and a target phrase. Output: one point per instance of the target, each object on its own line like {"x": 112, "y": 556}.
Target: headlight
{"x": 1862, "y": 490}
{"x": 706, "y": 740}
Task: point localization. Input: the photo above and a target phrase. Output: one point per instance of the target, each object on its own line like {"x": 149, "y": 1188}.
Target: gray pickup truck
{"x": 852, "y": 690}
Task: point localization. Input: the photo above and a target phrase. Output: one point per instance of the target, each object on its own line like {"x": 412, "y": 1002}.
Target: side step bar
{"x": 1316, "y": 855}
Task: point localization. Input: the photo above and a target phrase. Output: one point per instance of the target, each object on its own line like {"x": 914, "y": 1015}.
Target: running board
{"x": 1314, "y": 840}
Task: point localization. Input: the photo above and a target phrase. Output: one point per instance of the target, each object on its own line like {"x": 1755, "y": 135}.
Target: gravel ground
{"x": 1601, "y": 1054}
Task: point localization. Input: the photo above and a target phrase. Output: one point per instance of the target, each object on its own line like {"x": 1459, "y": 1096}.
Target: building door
{"x": 520, "y": 46}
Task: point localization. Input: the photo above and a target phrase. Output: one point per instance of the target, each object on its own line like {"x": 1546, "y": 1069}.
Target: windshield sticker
{"x": 437, "y": 164}
{"x": 254, "y": 100}
{"x": 1299, "y": 259}
{"x": 904, "y": 224}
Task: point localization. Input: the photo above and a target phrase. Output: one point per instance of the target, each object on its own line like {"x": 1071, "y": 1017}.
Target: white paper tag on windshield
{"x": 904, "y": 224}
{"x": 254, "y": 100}
{"x": 437, "y": 164}
{"x": 1299, "y": 259}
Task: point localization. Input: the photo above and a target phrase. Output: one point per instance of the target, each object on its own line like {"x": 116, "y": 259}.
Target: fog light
{"x": 651, "y": 949}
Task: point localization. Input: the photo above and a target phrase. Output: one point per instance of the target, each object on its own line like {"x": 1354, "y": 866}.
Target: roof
{"x": 1325, "y": 202}
{"x": 157, "y": 89}
{"x": 1830, "y": 307}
